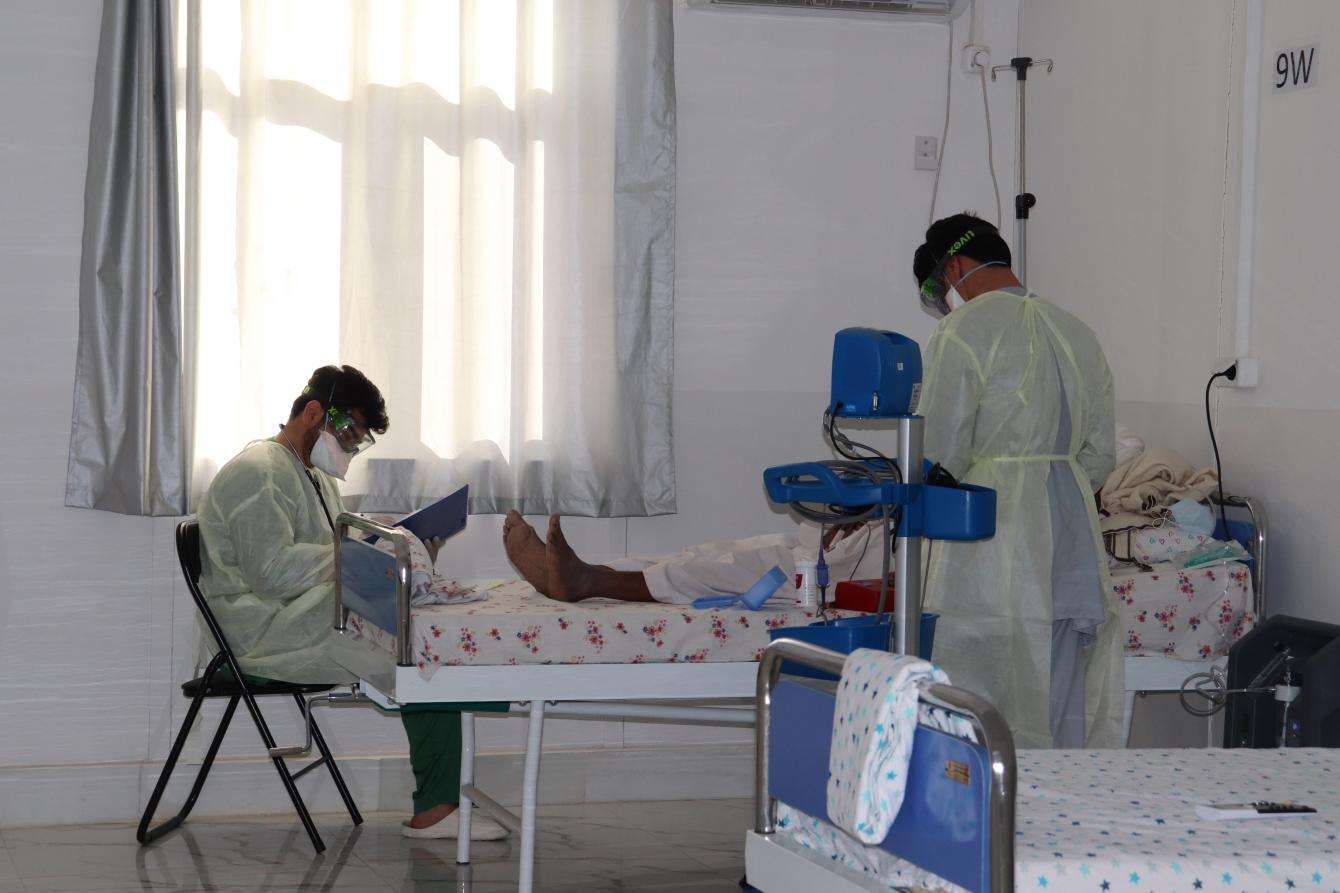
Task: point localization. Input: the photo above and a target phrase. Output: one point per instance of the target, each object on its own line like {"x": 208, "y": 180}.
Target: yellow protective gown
{"x": 267, "y": 566}
{"x": 1007, "y": 375}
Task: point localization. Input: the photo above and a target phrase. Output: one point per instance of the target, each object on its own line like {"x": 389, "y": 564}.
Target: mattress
{"x": 1126, "y": 820}
{"x": 517, "y": 625}
{"x": 1187, "y": 614}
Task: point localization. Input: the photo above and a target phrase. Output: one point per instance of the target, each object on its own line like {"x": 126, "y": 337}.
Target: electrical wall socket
{"x": 927, "y": 153}
{"x": 1249, "y": 372}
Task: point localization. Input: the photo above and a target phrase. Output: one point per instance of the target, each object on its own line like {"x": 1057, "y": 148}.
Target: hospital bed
{"x": 979, "y": 816}
{"x": 550, "y": 660}
{"x": 1218, "y": 605}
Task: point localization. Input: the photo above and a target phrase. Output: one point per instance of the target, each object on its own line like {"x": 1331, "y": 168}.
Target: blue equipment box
{"x": 876, "y": 374}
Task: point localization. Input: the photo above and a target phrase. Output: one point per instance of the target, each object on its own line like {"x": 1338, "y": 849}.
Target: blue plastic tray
{"x": 849, "y": 633}
{"x": 965, "y": 513}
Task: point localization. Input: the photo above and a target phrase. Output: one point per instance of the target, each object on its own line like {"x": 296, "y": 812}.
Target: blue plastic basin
{"x": 849, "y": 633}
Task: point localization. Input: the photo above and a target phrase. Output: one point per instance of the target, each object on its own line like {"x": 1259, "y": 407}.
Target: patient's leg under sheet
{"x": 722, "y": 567}
{"x": 729, "y": 567}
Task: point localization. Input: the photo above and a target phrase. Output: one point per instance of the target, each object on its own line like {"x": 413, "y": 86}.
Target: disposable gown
{"x": 267, "y": 566}
{"x": 1018, "y": 397}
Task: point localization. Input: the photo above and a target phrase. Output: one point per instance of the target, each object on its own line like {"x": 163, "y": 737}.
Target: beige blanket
{"x": 1154, "y": 480}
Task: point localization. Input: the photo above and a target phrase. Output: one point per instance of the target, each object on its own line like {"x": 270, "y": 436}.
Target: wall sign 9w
{"x": 1295, "y": 69}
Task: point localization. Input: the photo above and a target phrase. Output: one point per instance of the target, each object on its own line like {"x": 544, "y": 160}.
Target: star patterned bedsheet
{"x": 515, "y": 624}
{"x": 1124, "y": 821}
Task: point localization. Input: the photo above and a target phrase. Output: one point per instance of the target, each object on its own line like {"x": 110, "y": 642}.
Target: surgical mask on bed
{"x": 329, "y": 456}
{"x": 1192, "y": 516}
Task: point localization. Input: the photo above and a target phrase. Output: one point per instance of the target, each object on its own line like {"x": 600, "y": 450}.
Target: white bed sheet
{"x": 516, "y": 625}
{"x": 1125, "y": 820}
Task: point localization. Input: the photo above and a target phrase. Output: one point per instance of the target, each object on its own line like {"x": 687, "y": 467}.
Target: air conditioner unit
{"x": 926, "y": 10}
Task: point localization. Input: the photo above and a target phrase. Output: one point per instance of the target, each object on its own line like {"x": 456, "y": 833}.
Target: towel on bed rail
{"x": 875, "y": 718}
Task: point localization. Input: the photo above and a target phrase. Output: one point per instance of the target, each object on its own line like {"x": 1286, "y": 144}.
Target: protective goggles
{"x": 352, "y": 437}
{"x": 935, "y": 287}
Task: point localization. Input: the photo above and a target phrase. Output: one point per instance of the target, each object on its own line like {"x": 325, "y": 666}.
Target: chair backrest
{"x": 188, "y": 550}
{"x": 188, "y": 554}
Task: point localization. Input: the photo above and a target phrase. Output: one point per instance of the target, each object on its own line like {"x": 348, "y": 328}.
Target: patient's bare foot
{"x": 526, "y": 551}
{"x": 430, "y": 817}
{"x": 570, "y": 578}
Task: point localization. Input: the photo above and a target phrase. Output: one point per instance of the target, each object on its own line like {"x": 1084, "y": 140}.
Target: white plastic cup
{"x": 807, "y": 583}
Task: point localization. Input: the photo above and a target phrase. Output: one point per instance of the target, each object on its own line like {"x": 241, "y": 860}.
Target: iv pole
{"x": 1025, "y": 200}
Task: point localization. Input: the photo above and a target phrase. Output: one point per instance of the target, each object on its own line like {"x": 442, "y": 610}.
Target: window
{"x": 429, "y": 190}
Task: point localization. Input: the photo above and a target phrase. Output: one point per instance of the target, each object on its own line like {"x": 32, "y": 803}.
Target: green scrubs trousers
{"x": 434, "y": 733}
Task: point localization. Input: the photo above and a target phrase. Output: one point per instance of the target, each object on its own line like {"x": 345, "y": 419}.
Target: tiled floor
{"x": 663, "y": 847}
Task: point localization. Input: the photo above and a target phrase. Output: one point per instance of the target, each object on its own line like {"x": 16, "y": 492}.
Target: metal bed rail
{"x": 1256, "y": 510}
{"x": 992, "y": 732}
{"x": 1258, "y": 547}
{"x": 400, "y": 538}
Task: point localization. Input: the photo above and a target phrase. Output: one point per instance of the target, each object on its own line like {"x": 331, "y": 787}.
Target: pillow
{"x": 1155, "y": 545}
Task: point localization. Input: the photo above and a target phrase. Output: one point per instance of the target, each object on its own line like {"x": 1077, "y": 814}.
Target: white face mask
{"x": 954, "y": 299}
{"x": 329, "y": 456}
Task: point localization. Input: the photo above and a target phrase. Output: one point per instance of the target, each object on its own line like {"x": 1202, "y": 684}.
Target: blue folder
{"x": 444, "y": 518}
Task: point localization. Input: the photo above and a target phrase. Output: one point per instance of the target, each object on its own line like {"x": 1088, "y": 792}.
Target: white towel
{"x": 874, "y": 722}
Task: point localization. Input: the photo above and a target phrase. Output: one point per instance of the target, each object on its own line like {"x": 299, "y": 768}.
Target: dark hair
{"x": 985, "y": 246}
{"x": 345, "y": 388}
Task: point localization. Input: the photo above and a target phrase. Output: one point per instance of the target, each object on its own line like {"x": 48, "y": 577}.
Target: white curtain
{"x": 469, "y": 200}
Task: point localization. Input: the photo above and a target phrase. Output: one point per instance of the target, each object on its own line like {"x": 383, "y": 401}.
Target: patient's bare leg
{"x": 526, "y": 551}
{"x": 571, "y": 579}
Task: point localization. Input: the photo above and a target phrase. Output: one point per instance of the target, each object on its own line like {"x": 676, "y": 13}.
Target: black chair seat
{"x": 227, "y": 686}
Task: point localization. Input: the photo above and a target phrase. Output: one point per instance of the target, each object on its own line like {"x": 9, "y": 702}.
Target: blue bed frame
{"x": 957, "y": 818}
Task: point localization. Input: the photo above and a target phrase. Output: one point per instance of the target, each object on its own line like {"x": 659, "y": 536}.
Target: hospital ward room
{"x": 787, "y": 446}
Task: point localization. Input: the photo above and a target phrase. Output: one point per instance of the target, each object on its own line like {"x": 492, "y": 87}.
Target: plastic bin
{"x": 849, "y": 633}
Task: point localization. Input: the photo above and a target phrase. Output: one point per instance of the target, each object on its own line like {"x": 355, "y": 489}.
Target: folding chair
{"x": 235, "y": 687}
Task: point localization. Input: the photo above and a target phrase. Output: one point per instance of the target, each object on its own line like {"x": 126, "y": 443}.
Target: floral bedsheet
{"x": 1187, "y": 614}
{"x": 1125, "y": 820}
{"x": 517, "y": 625}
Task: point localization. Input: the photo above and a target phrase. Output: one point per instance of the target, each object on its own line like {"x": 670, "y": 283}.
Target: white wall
{"x": 1134, "y": 154}
{"x": 798, "y": 214}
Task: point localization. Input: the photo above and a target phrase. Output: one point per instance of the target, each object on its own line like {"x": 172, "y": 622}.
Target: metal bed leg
{"x": 467, "y": 778}
{"x": 1129, "y": 717}
{"x": 529, "y": 795}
